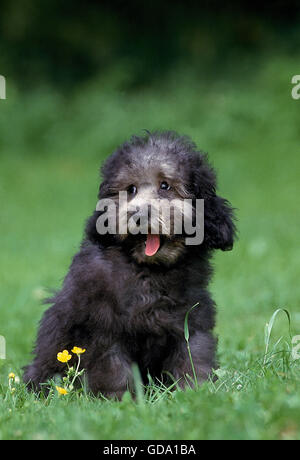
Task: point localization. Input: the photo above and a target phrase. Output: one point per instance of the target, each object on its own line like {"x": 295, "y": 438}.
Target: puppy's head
{"x": 154, "y": 183}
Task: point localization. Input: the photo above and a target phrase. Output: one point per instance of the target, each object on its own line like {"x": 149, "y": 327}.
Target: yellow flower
{"x": 78, "y": 350}
{"x": 11, "y": 375}
{"x": 61, "y": 391}
{"x": 64, "y": 356}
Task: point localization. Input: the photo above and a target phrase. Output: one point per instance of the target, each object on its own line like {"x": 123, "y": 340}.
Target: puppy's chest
{"x": 146, "y": 304}
{"x": 141, "y": 292}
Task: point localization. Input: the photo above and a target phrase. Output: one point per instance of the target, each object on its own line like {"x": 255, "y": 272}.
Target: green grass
{"x": 51, "y": 148}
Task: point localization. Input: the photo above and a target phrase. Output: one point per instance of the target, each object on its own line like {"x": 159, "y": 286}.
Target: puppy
{"x": 127, "y": 293}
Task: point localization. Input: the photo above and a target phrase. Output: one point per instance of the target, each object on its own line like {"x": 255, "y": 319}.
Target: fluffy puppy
{"x": 126, "y": 294}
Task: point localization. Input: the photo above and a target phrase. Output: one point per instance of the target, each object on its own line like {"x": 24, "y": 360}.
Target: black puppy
{"x": 126, "y": 295}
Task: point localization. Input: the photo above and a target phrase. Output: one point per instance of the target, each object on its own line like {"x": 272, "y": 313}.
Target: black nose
{"x": 141, "y": 216}
{"x": 142, "y": 213}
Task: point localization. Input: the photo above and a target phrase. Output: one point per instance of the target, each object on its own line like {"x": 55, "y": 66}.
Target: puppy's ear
{"x": 219, "y": 227}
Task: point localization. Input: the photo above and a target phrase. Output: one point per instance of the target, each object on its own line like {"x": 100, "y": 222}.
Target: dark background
{"x": 66, "y": 42}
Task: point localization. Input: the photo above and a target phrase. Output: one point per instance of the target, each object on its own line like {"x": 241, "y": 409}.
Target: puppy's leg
{"x": 178, "y": 364}
{"x": 111, "y": 373}
{"x": 51, "y": 340}
{"x": 39, "y": 371}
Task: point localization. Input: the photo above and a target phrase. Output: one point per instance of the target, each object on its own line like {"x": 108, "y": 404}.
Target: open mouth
{"x": 152, "y": 244}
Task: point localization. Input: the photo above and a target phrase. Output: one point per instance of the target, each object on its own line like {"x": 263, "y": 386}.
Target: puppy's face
{"x": 154, "y": 182}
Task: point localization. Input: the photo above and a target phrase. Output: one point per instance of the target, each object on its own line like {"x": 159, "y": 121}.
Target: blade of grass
{"x": 269, "y": 327}
{"x": 138, "y": 384}
{"x": 187, "y": 337}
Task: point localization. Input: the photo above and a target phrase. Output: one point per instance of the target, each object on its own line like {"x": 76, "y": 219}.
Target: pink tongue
{"x": 152, "y": 244}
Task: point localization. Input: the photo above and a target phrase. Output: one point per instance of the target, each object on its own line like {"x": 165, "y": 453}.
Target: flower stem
{"x": 76, "y": 371}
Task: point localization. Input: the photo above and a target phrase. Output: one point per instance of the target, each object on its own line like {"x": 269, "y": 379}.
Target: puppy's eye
{"x": 165, "y": 186}
{"x": 132, "y": 189}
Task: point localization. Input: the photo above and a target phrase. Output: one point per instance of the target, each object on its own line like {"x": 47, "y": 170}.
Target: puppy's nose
{"x": 140, "y": 211}
{"x": 142, "y": 216}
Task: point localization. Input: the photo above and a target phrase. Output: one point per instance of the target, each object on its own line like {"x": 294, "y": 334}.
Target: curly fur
{"x": 122, "y": 308}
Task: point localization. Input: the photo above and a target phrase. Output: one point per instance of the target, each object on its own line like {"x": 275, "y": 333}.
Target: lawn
{"x": 51, "y": 148}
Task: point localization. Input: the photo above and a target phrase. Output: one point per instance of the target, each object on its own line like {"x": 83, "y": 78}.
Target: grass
{"x": 51, "y": 147}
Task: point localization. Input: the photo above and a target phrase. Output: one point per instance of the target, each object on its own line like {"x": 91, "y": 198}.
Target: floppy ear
{"x": 219, "y": 227}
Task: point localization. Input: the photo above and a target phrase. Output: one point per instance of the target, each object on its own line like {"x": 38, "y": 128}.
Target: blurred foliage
{"x": 65, "y": 42}
{"x": 52, "y": 144}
